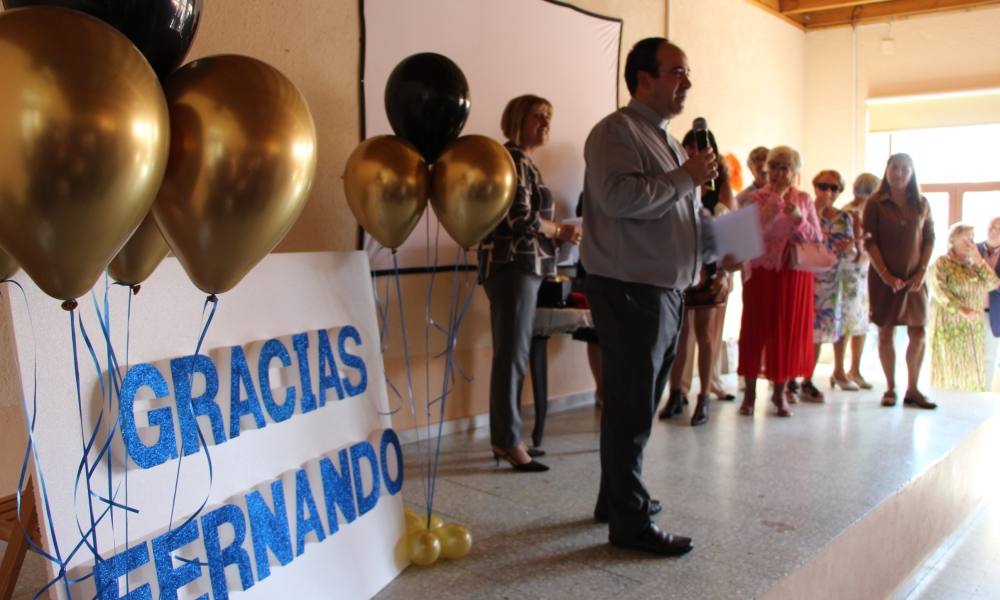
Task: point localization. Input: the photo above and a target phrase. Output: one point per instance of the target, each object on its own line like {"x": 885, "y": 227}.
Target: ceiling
{"x": 816, "y": 14}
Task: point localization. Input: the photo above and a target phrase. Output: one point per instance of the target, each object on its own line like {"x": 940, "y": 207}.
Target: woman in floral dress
{"x": 854, "y": 285}
{"x": 959, "y": 282}
{"x": 838, "y": 233}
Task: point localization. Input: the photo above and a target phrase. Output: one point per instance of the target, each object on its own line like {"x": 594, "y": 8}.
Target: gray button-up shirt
{"x": 641, "y": 212}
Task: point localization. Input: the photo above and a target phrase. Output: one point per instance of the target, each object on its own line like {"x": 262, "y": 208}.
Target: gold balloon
{"x": 423, "y": 548}
{"x": 242, "y": 160}
{"x": 456, "y": 541}
{"x": 416, "y": 522}
{"x": 140, "y": 255}
{"x": 386, "y": 184}
{"x": 8, "y": 266}
{"x": 472, "y": 187}
{"x": 84, "y": 136}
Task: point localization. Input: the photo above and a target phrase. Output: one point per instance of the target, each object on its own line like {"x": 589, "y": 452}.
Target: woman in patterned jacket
{"x": 514, "y": 258}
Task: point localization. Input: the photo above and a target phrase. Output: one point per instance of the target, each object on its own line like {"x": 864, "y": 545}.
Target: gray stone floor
{"x": 760, "y": 496}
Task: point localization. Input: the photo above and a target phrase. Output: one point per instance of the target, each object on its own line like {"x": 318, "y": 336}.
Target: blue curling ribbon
{"x": 442, "y": 399}
{"x": 406, "y": 344}
{"x": 382, "y": 314}
{"x": 214, "y": 301}
{"x": 31, "y": 450}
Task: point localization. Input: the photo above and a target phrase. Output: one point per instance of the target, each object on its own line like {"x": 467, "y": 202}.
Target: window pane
{"x": 978, "y": 209}
{"x": 948, "y": 154}
{"x": 939, "y": 212}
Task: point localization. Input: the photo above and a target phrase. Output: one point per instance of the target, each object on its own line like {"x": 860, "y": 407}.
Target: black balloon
{"x": 161, "y": 29}
{"x": 427, "y": 102}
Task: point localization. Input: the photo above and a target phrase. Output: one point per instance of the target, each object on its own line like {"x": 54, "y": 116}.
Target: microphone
{"x": 701, "y": 135}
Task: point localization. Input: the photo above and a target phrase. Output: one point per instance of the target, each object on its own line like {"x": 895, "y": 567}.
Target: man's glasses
{"x": 828, "y": 187}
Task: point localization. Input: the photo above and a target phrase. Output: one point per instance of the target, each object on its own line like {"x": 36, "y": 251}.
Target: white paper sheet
{"x": 738, "y": 234}
{"x": 568, "y": 254}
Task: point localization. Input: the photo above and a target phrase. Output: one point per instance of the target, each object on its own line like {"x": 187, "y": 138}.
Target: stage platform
{"x": 844, "y": 500}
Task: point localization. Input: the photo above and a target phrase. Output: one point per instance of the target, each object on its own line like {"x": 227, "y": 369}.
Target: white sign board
{"x": 505, "y": 48}
{"x": 302, "y": 498}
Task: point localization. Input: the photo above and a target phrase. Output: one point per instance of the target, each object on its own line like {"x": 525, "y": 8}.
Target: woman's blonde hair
{"x": 515, "y": 113}
{"x": 959, "y": 230}
{"x": 835, "y": 174}
{"x": 786, "y": 152}
{"x": 865, "y": 185}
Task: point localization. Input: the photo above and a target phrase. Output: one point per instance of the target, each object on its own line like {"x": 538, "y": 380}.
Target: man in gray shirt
{"x": 643, "y": 244}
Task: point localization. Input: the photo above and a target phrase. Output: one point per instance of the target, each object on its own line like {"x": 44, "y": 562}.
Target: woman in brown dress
{"x": 900, "y": 236}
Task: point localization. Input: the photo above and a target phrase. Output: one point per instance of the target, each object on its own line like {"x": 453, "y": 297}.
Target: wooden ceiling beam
{"x": 884, "y": 11}
{"x": 795, "y": 7}
{"x": 772, "y": 7}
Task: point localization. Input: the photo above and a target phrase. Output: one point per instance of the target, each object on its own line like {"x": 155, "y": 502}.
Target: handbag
{"x": 811, "y": 256}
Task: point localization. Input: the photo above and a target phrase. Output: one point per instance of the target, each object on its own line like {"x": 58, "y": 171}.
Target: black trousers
{"x": 513, "y": 294}
{"x": 637, "y": 326}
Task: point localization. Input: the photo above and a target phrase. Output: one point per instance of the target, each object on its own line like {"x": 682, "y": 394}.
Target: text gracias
{"x": 268, "y": 522}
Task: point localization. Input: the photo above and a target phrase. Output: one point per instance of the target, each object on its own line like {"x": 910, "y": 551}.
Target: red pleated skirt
{"x": 776, "y": 330}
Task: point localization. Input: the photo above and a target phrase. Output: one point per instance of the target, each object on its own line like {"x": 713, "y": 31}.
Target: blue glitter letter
{"x": 238, "y": 407}
{"x": 351, "y": 360}
{"x": 301, "y": 343}
{"x": 234, "y": 554}
{"x": 182, "y": 370}
{"x": 140, "y": 376}
{"x": 269, "y": 529}
{"x": 306, "y": 516}
{"x": 358, "y": 451}
{"x": 169, "y": 578}
{"x": 337, "y": 490}
{"x": 328, "y": 375}
{"x": 389, "y": 437}
{"x": 271, "y": 350}
{"x": 108, "y": 571}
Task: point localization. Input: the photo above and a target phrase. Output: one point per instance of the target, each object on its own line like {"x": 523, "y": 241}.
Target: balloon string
{"x": 428, "y": 322}
{"x": 406, "y": 343}
{"x": 84, "y": 464}
{"x": 31, "y": 452}
{"x": 214, "y": 301}
{"x": 445, "y": 388}
{"x": 382, "y": 313}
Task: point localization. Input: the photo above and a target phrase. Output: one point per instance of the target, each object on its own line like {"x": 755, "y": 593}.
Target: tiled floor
{"x": 759, "y": 496}
{"x": 968, "y": 566}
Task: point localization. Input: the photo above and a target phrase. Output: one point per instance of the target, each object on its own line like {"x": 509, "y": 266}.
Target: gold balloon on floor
{"x": 423, "y": 547}
{"x": 8, "y": 266}
{"x": 141, "y": 254}
{"x": 456, "y": 541}
{"x": 386, "y": 184}
{"x": 83, "y": 145}
{"x": 242, "y": 160}
{"x": 472, "y": 187}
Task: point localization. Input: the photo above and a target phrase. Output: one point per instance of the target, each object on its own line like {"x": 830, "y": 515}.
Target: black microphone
{"x": 701, "y": 134}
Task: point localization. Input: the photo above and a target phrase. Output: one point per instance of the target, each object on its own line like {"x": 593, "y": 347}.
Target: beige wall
{"x": 934, "y": 53}
{"x": 747, "y": 67}
{"x": 316, "y": 44}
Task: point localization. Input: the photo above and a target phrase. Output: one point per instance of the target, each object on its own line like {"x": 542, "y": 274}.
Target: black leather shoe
{"x": 918, "y": 400}
{"x": 674, "y": 406}
{"x": 656, "y": 541}
{"x": 601, "y": 516}
{"x": 700, "y": 414}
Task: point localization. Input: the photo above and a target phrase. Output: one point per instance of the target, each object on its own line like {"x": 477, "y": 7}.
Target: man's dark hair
{"x": 642, "y": 57}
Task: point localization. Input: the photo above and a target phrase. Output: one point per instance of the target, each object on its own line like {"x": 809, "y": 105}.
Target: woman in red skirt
{"x": 776, "y": 333}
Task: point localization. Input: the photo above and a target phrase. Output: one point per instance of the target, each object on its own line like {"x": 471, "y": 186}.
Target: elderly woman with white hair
{"x": 854, "y": 284}
{"x": 959, "y": 282}
{"x": 776, "y": 331}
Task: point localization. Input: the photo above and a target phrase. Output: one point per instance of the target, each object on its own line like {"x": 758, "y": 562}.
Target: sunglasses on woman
{"x": 828, "y": 187}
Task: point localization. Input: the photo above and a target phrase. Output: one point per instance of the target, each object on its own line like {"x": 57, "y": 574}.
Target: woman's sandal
{"x": 889, "y": 398}
{"x": 782, "y": 406}
{"x": 746, "y": 407}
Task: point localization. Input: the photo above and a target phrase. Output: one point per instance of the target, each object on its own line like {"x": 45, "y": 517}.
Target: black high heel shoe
{"x": 700, "y": 414}
{"x": 532, "y": 466}
{"x": 674, "y": 406}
